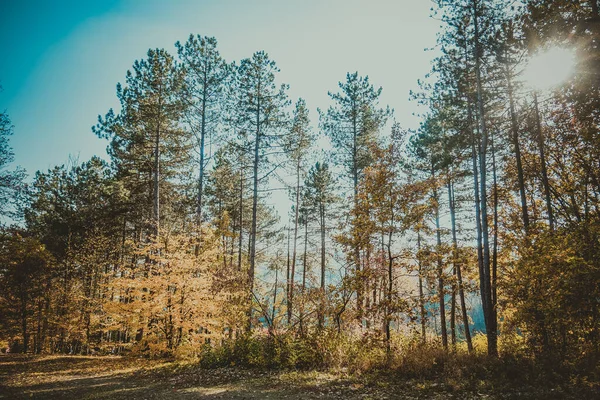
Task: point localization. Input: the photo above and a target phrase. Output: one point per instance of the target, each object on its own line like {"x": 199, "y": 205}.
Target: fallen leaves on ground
{"x": 80, "y": 377}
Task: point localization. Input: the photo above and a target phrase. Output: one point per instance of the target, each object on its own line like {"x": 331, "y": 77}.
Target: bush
{"x": 409, "y": 358}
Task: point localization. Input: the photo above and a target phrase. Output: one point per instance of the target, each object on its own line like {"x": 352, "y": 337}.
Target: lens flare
{"x": 549, "y": 68}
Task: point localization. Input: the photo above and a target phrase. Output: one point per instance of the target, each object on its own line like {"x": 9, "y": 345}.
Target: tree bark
{"x": 421, "y": 294}
{"x": 359, "y": 285}
{"x": 440, "y": 268}
{"x": 486, "y": 288}
{"x": 202, "y": 139}
{"x": 390, "y": 288}
{"x": 156, "y": 181}
{"x": 304, "y": 259}
{"x": 241, "y": 212}
{"x": 254, "y": 209}
{"x": 458, "y": 268}
{"x": 545, "y": 182}
{"x": 24, "y": 330}
{"x": 322, "y": 300}
{"x": 288, "y": 275}
{"x": 274, "y": 297}
{"x": 295, "y": 241}
{"x": 495, "y": 237}
{"x": 514, "y": 127}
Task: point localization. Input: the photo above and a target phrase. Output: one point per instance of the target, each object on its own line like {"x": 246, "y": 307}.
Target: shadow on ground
{"x": 76, "y": 377}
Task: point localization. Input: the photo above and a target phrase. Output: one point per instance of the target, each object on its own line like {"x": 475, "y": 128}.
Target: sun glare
{"x": 549, "y": 68}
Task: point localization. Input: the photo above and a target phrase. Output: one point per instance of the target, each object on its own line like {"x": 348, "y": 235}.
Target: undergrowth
{"x": 408, "y": 358}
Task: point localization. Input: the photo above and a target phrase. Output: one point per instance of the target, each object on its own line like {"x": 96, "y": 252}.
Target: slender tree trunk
{"x": 514, "y": 127}
{"x": 359, "y": 284}
{"x": 274, "y": 298}
{"x": 477, "y": 199}
{"x": 390, "y": 289}
{"x": 540, "y": 139}
{"x": 37, "y": 349}
{"x": 454, "y": 262}
{"x": 453, "y": 309}
{"x": 202, "y": 139}
{"x": 295, "y": 241}
{"x": 477, "y": 202}
{"x": 288, "y": 276}
{"x": 156, "y": 195}
{"x": 488, "y": 308}
{"x": 241, "y": 212}
{"x": 45, "y": 317}
{"x": 367, "y": 285}
{"x": 24, "y": 330}
{"x": 458, "y": 268}
{"x": 304, "y": 273}
{"x": 231, "y": 247}
{"x": 421, "y": 294}
{"x": 495, "y": 238}
{"x": 478, "y": 225}
{"x": 254, "y": 210}
{"x": 440, "y": 268}
{"x": 545, "y": 182}
{"x": 322, "y": 300}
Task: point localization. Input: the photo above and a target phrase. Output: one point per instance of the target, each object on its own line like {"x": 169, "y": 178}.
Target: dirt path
{"x": 75, "y": 377}
{"x": 78, "y": 377}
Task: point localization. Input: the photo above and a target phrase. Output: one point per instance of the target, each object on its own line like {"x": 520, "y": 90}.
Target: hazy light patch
{"x": 206, "y": 391}
{"x": 549, "y": 68}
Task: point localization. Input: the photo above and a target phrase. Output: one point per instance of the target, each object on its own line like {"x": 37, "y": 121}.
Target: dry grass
{"x": 78, "y": 377}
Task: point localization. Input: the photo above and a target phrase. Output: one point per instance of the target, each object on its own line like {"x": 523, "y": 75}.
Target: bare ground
{"x": 80, "y": 377}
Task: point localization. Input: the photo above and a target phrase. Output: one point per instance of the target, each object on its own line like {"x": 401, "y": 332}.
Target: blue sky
{"x": 61, "y": 60}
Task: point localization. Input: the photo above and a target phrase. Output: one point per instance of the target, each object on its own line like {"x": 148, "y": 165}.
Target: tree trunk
{"x": 477, "y": 201}
{"x": 37, "y": 348}
{"x": 495, "y": 238}
{"x": 287, "y": 285}
{"x": 440, "y": 268}
{"x": 390, "y": 288}
{"x": 453, "y": 308}
{"x": 421, "y": 294}
{"x": 156, "y": 194}
{"x": 359, "y": 287}
{"x": 202, "y": 139}
{"x": 514, "y": 127}
{"x": 486, "y": 288}
{"x": 304, "y": 273}
{"x": 322, "y": 300}
{"x": 454, "y": 274}
{"x": 545, "y": 182}
{"x": 254, "y": 212}
{"x": 274, "y": 298}
{"x": 241, "y": 211}
{"x": 458, "y": 267}
{"x": 295, "y": 241}
{"x": 24, "y": 331}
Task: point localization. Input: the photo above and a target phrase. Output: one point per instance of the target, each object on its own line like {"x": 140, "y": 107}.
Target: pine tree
{"x": 257, "y": 112}
{"x": 320, "y": 196}
{"x": 148, "y": 146}
{"x": 296, "y": 145}
{"x": 10, "y": 180}
{"x": 352, "y": 125}
{"x": 206, "y": 74}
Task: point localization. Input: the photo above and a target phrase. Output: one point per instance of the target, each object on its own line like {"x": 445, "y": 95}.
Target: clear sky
{"x": 61, "y": 60}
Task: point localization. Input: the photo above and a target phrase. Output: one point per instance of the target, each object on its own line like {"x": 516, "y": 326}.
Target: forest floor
{"x": 79, "y": 377}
